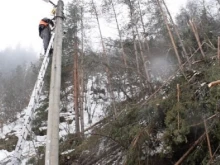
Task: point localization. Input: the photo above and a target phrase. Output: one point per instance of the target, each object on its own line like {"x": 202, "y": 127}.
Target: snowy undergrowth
{"x": 95, "y": 106}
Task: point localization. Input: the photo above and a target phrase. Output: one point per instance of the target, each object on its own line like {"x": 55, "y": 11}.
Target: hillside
{"x": 141, "y": 98}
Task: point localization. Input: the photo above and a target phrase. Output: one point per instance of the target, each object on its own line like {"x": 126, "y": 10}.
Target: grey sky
{"x": 19, "y": 22}
{"x": 20, "y": 18}
{"x": 175, "y": 5}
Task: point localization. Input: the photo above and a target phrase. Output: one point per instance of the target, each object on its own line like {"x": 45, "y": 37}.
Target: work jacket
{"x": 44, "y": 23}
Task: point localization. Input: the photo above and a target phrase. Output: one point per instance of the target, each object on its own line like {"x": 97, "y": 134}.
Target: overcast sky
{"x": 20, "y": 19}
{"x": 19, "y": 22}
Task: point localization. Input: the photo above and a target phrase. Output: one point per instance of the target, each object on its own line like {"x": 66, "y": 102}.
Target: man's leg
{"x": 46, "y": 37}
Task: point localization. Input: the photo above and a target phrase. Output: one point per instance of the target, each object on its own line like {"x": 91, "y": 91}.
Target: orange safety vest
{"x": 43, "y": 23}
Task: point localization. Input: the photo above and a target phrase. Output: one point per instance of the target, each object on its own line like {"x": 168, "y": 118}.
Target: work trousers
{"x": 46, "y": 35}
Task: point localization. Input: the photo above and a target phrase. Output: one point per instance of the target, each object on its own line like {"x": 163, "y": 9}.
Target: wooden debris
{"x": 214, "y": 83}
{"x": 208, "y": 140}
{"x": 190, "y": 149}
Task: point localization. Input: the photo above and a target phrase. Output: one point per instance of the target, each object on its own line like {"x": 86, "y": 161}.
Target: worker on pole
{"x": 45, "y": 32}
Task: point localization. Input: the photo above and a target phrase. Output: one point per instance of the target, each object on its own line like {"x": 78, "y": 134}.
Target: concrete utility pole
{"x": 52, "y": 143}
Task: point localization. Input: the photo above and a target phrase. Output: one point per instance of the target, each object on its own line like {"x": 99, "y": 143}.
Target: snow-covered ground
{"x": 95, "y": 105}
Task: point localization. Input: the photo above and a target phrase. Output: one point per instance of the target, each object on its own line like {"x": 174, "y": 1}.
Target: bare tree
{"x": 120, "y": 36}
{"x": 195, "y": 32}
{"x": 76, "y": 74}
{"x": 82, "y": 85}
{"x": 109, "y": 88}
{"x": 177, "y": 33}
{"x": 133, "y": 24}
{"x": 144, "y": 30}
{"x": 171, "y": 36}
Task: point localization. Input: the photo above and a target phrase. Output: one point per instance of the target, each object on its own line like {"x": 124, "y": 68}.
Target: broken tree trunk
{"x": 208, "y": 139}
{"x": 120, "y": 36}
{"x": 214, "y": 83}
{"x": 218, "y": 55}
{"x": 177, "y": 33}
{"x": 178, "y": 100}
{"x": 190, "y": 149}
{"x": 169, "y": 31}
{"x": 195, "y": 31}
{"x": 171, "y": 36}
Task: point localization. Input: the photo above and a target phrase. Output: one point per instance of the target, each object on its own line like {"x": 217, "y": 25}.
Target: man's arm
{"x": 48, "y": 21}
{"x": 51, "y": 22}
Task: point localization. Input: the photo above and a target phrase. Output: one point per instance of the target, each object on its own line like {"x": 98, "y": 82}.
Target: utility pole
{"x": 52, "y": 143}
